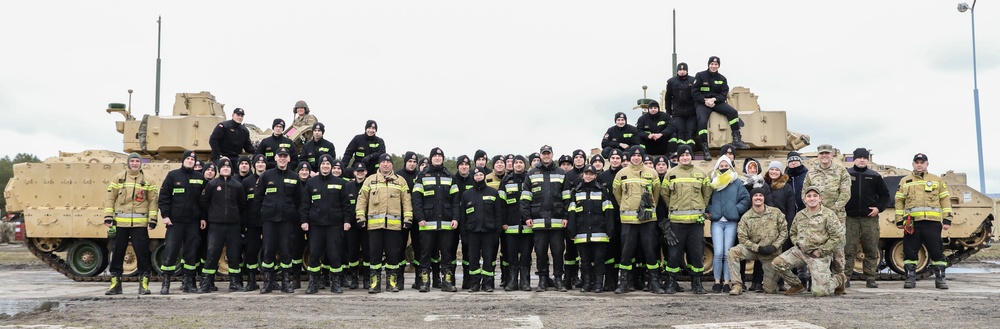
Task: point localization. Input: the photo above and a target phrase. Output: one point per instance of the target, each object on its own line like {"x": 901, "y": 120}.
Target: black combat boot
{"x": 323, "y": 279}
{"x": 706, "y": 153}
{"x": 313, "y": 286}
{"x": 392, "y": 280}
{"x": 475, "y": 283}
{"x": 354, "y": 281}
{"x": 269, "y": 283}
{"x": 286, "y": 282}
{"x": 513, "y": 277}
{"x": 561, "y": 283}
{"x": 572, "y": 276}
{"x": 738, "y": 141}
{"x": 206, "y": 283}
{"x": 504, "y": 276}
{"x": 623, "y": 276}
{"x": 335, "y": 283}
{"x": 417, "y": 279}
{"x": 939, "y": 279}
{"x": 598, "y": 283}
{"x": 343, "y": 277}
{"x": 366, "y": 277}
{"x": 436, "y": 275}
{"x": 488, "y": 282}
{"x": 542, "y": 282}
{"x": 446, "y": 282}
{"x": 466, "y": 278}
{"x": 696, "y": 284}
{"x": 587, "y": 284}
{"x": 187, "y": 284}
{"x": 236, "y": 283}
{"x": 116, "y": 286}
{"x": 374, "y": 285}
{"x": 911, "y": 276}
{"x": 654, "y": 284}
{"x": 638, "y": 279}
{"x": 671, "y": 284}
{"x": 252, "y": 280}
{"x": 144, "y": 284}
{"x": 425, "y": 280}
{"x": 295, "y": 276}
{"x": 165, "y": 286}
{"x": 525, "y": 273}
{"x": 400, "y": 281}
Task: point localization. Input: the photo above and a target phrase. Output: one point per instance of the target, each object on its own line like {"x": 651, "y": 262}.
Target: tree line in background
{"x": 7, "y": 172}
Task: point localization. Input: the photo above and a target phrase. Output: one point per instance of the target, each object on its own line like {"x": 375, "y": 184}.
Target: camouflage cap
{"x": 814, "y": 188}
{"x": 825, "y": 148}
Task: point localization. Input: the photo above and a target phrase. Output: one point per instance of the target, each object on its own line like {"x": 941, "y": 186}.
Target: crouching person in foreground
{"x": 816, "y": 232}
{"x": 761, "y": 232}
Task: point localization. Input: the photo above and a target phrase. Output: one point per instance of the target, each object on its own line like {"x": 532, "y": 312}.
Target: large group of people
{"x": 630, "y": 218}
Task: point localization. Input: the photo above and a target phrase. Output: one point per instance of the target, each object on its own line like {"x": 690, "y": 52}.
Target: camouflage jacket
{"x": 817, "y": 230}
{"x": 768, "y": 228}
{"x": 835, "y": 183}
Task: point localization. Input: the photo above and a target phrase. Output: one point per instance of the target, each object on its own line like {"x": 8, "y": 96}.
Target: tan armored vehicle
{"x": 61, "y": 198}
{"x": 769, "y": 138}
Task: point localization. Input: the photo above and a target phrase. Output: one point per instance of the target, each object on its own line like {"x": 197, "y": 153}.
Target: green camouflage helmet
{"x": 301, "y": 104}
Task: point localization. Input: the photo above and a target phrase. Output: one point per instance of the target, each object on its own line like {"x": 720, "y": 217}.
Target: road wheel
{"x": 223, "y": 262}
{"x": 894, "y": 258}
{"x": 859, "y": 261}
{"x": 86, "y": 258}
{"x": 158, "y": 254}
{"x": 130, "y": 264}
{"x": 49, "y": 244}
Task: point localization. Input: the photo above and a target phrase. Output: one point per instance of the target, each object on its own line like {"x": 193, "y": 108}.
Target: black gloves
{"x": 646, "y": 205}
{"x": 109, "y": 220}
{"x": 406, "y": 225}
{"x": 766, "y": 250}
{"x": 668, "y": 232}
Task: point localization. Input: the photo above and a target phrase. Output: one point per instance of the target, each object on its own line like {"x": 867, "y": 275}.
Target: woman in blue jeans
{"x": 729, "y": 201}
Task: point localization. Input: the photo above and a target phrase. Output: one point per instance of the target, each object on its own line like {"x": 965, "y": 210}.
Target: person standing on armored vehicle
{"x": 223, "y": 200}
{"x": 686, "y": 191}
{"x": 384, "y": 208}
{"x": 365, "y": 148}
{"x": 433, "y": 197}
{"x": 761, "y": 232}
{"x": 302, "y": 116}
{"x": 252, "y": 224}
{"x": 661, "y": 135}
{"x": 636, "y": 188}
{"x": 182, "y": 214}
{"x": 543, "y": 200}
{"x": 835, "y": 186}
{"x": 923, "y": 209}
{"x": 278, "y": 195}
{"x": 680, "y": 107}
{"x": 130, "y": 210}
{"x": 326, "y": 214}
{"x": 622, "y": 135}
{"x": 710, "y": 90}
{"x": 270, "y": 145}
{"x": 230, "y": 137}
{"x": 518, "y": 236}
{"x": 409, "y": 172}
{"x": 816, "y": 233}
{"x": 869, "y": 197}
{"x": 317, "y": 147}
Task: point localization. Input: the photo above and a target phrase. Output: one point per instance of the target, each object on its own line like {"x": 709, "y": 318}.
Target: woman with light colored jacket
{"x": 729, "y": 201}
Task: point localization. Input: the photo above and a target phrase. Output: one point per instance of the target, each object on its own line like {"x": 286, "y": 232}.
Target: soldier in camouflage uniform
{"x": 761, "y": 232}
{"x": 816, "y": 233}
{"x": 835, "y": 188}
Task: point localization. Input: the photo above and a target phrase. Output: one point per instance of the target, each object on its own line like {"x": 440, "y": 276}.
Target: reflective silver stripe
{"x": 502, "y": 194}
{"x": 557, "y": 176}
{"x": 688, "y": 212}
{"x": 535, "y": 176}
{"x": 631, "y": 213}
{"x": 439, "y": 224}
{"x": 596, "y": 195}
{"x": 593, "y": 235}
{"x": 509, "y": 187}
{"x": 393, "y": 217}
{"x": 428, "y": 180}
{"x": 525, "y": 193}
{"x": 130, "y": 215}
{"x": 380, "y": 216}
{"x": 542, "y": 221}
{"x": 919, "y": 209}
{"x": 581, "y": 196}
{"x": 518, "y": 227}
{"x": 445, "y": 180}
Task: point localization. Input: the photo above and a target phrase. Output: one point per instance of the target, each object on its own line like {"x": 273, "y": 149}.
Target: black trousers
{"x": 926, "y": 233}
{"x": 356, "y": 246}
{"x": 384, "y": 249}
{"x": 570, "y": 255}
{"x": 180, "y": 236}
{"x": 690, "y": 240}
{"x": 666, "y": 144}
{"x": 643, "y": 237}
{"x": 482, "y": 246}
{"x": 325, "y": 242}
{"x": 518, "y": 249}
{"x": 298, "y": 245}
{"x": 139, "y": 236}
{"x": 703, "y": 112}
{"x": 500, "y": 250}
{"x": 414, "y": 235}
{"x": 437, "y": 242}
{"x": 685, "y": 129}
{"x": 251, "y": 247}
{"x": 592, "y": 257}
{"x": 230, "y": 236}
{"x": 546, "y": 240}
{"x": 277, "y": 237}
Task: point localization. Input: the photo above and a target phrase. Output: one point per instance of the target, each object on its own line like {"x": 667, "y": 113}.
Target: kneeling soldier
{"x": 761, "y": 233}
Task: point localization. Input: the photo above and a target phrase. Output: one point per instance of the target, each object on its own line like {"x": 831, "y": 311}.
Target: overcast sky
{"x": 893, "y": 76}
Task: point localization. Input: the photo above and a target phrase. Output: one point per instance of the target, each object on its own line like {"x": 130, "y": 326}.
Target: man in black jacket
{"x": 326, "y": 212}
{"x": 230, "y": 137}
{"x": 680, "y": 106}
{"x": 661, "y": 135}
{"x": 252, "y": 225}
{"x": 544, "y": 196}
{"x": 365, "y": 148}
{"x": 480, "y": 212}
{"x": 317, "y": 147}
{"x": 434, "y": 195}
{"x": 355, "y": 252}
{"x": 270, "y": 145}
{"x": 181, "y": 214}
{"x": 409, "y": 173}
{"x": 224, "y": 200}
{"x": 869, "y": 197}
{"x": 278, "y": 195}
{"x": 710, "y": 90}
{"x": 622, "y": 135}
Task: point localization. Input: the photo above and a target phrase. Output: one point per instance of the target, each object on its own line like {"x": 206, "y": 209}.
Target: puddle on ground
{"x": 16, "y": 306}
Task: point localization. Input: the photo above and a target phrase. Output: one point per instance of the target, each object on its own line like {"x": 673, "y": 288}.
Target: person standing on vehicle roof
{"x": 230, "y": 137}
{"x": 182, "y": 214}
{"x": 270, "y": 145}
{"x": 317, "y": 147}
{"x": 680, "y": 106}
{"x": 661, "y": 135}
{"x": 224, "y": 201}
{"x": 384, "y": 208}
{"x": 835, "y": 186}
{"x": 278, "y": 194}
{"x": 544, "y": 196}
{"x": 130, "y": 210}
{"x": 869, "y": 197}
{"x": 365, "y": 148}
{"x": 710, "y": 90}
{"x": 923, "y": 209}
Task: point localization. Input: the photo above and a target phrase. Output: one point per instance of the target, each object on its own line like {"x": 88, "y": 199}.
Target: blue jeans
{"x": 723, "y": 238}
